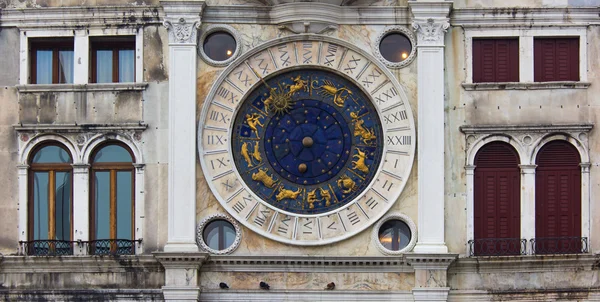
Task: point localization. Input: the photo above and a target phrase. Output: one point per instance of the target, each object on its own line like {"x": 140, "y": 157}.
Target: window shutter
{"x": 556, "y": 59}
{"x": 495, "y": 60}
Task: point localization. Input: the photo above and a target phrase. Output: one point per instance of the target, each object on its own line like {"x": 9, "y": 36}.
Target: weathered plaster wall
{"x": 362, "y": 37}
{"x": 522, "y": 3}
{"x": 59, "y": 3}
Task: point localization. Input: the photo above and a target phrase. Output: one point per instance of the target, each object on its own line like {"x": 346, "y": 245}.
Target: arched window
{"x": 50, "y": 201}
{"x": 497, "y": 201}
{"x": 558, "y": 199}
{"x": 112, "y": 200}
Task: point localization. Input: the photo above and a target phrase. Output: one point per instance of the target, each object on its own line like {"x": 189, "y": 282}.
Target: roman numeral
{"x": 223, "y": 92}
{"x": 262, "y": 65}
{"x": 373, "y": 75}
{"x": 330, "y": 57}
{"x": 285, "y": 57}
{"x": 284, "y": 226}
{"x": 307, "y": 55}
{"x": 386, "y": 184}
{"x": 396, "y": 164}
{"x": 331, "y": 226}
{"x": 240, "y": 206}
{"x": 353, "y": 217}
{"x": 261, "y": 217}
{"x": 395, "y": 117}
{"x": 220, "y": 163}
{"x": 245, "y": 80}
{"x": 227, "y": 185}
{"x": 218, "y": 116}
{"x": 351, "y": 65}
{"x": 372, "y": 203}
{"x": 308, "y": 226}
{"x": 215, "y": 139}
{"x": 398, "y": 140}
{"x": 386, "y": 95}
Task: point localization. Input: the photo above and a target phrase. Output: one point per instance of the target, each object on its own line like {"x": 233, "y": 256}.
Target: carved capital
{"x": 182, "y": 19}
{"x": 182, "y": 31}
{"x": 430, "y": 32}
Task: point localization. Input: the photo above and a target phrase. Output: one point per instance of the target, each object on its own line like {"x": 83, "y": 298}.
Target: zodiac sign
{"x": 285, "y": 193}
{"x": 256, "y": 154}
{"x": 326, "y": 196}
{"x": 298, "y": 84}
{"x": 366, "y": 135}
{"x": 360, "y": 163}
{"x": 329, "y": 89}
{"x": 346, "y": 184}
{"x": 253, "y": 121}
{"x": 263, "y": 177}
{"x": 279, "y": 102}
{"x": 268, "y": 101}
{"x": 311, "y": 198}
{"x": 246, "y": 154}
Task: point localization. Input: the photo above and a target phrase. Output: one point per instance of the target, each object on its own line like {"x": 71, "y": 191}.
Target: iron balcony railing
{"x": 112, "y": 247}
{"x": 497, "y": 247}
{"x": 559, "y": 245}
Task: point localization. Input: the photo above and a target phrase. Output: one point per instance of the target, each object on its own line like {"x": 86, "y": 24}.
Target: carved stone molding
{"x": 211, "y": 218}
{"x": 182, "y": 20}
{"x": 308, "y": 27}
{"x": 430, "y": 32}
{"x": 395, "y": 216}
{"x": 390, "y": 30}
{"x": 220, "y": 28}
{"x": 182, "y": 31}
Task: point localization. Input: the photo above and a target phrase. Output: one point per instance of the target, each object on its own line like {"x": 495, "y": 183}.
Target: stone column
{"x": 431, "y": 277}
{"x": 528, "y": 202}
{"x": 81, "y": 206}
{"x": 585, "y": 201}
{"x": 23, "y": 203}
{"x": 140, "y": 206}
{"x": 470, "y": 173}
{"x": 182, "y": 19}
{"x": 430, "y": 22}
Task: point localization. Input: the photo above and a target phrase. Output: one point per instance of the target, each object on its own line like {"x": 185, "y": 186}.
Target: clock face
{"x": 306, "y": 142}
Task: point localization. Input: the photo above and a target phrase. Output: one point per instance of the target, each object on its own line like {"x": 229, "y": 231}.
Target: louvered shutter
{"x": 556, "y": 59}
{"x": 495, "y": 60}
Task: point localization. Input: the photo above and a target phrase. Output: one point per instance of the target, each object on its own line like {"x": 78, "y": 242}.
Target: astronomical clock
{"x": 306, "y": 140}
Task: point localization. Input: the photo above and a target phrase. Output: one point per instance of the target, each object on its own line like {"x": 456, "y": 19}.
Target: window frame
{"x": 115, "y": 44}
{"x": 478, "y": 58}
{"x": 112, "y": 168}
{"x": 538, "y": 58}
{"x": 55, "y": 44}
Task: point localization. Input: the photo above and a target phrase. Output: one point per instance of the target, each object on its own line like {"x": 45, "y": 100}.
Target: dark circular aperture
{"x": 219, "y": 234}
{"x": 395, "y": 47}
{"x": 394, "y": 235}
{"x": 219, "y": 46}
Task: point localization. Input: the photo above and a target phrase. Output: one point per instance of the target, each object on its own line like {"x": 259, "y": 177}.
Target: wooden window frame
{"x": 112, "y": 168}
{"x": 573, "y": 60}
{"x": 115, "y": 44}
{"x": 53, "y": 44}
{"x": 477, "y": 60}
{"x": 51, "y": 168}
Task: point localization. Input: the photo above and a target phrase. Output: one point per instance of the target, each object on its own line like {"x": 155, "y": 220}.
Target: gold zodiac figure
{"x": 298, "y": 84}
{"x": 256, "y": 153}
{"x": 326, "y": 196}
{"x": 360, "y": 163}
{"x": 330, "y": 90}
{"x": 311, "y": 198}
{"x": 346, "y": 184}
{"x": 285, "y": 193}
{"x": 268, "y": 101}
{"x": 366, "y": 135}
{"x": 245, "y": 154}
{"x": 253, "y": 121}
{"x": 263, "y": 177}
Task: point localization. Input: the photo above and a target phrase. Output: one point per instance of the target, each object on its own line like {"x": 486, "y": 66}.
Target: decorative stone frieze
{"x": 308, "y": 27}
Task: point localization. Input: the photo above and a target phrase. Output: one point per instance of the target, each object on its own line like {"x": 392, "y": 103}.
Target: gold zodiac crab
{"x": 329, "y": 89}
{"x": 359, "y": 164}
{"x": 346, "y": 184}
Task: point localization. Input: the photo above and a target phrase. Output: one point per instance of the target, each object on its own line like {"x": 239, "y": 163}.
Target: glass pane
{"x": 229, "y": 235}
{"x": 395, "y": 47}
{"x": 102, "y": 204}
{"x": 219, "y": 234}
{"x": 65, "y": 69}
{"x": 126, "y": 65}
{"x": 43, "y": 67}
{"x": 124, "y": 205}
{"x": 394, "y": 235}
{"x": 211, "y": 236}
{"x": 219, "y": 46}
{"x": 104, "y": 66}
{"x": 40, "y": 206}
{"x": 51, "y": 154}
{"x": 112, "y": 154}
{"x": 63, "y": 205}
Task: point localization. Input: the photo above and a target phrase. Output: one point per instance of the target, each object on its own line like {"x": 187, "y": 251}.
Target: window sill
{"x": 82, "y": 87}
{"x": 525, "y": 85}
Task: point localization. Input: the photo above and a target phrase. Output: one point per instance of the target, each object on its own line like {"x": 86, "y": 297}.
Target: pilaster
{"x": 23, "y": 171}
{"x": 430, "y": 22}
{"x": 182, "y": 19}
{"x": 431, "y": 277}
{"x": 81, "y": 183}
{"x": 528, "y": 201}
{"x": 181, "y": 275}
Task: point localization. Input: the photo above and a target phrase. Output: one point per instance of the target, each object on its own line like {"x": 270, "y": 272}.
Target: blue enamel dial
{"x": 307, "y": 141}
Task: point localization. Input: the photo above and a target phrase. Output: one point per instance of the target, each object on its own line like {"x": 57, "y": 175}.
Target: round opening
{"x": 395, "y": 47}
{"x": 219, "y": 234}
{"x": 219, "y": 46}
{"x": 394, "y": 235}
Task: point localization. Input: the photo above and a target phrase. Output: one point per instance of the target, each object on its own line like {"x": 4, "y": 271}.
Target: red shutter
{"x": 497, "y": 199}
{"x": 495, "y": 60}
{"x": 556, "y": 59}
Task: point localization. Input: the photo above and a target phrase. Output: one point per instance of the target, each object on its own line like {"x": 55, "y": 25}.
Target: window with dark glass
{"x": 394, "y": 235}
{"x": 495, "y": 60}
{"x": 113, "y": 59}
{"x": 395, "y": 47}
{"x": 219, "y": 234}
{"x": 50, "y": 201}
{"x": 219, "y": 46}
{"x": 51, "y": 61}
{"x": 112, "y": 200}
{"x": 556, "y": 59}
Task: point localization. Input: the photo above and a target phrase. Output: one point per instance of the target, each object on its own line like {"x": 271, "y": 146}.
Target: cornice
{"x": 489, "y": 129}
{"x": 306, "y": 264}
{"x": 70, "y": 264}
{"x": 91, "y": 87}
{"x": 90, "y": 16}
{"x": 78, "y": 128}
{"x": 524, "y": 17}
{"x": 520, "y": 264}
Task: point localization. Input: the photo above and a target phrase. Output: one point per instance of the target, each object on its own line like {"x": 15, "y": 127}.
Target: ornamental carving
{"x": 182, "y": 31}
{"x": 431, "y": 32}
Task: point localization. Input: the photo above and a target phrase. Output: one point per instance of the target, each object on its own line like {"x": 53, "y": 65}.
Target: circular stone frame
{"x": 211, "y": 218}
{"x": 400, "y": 30}
{"x": 216, "y": 28}
{"x": 398, "y": 216}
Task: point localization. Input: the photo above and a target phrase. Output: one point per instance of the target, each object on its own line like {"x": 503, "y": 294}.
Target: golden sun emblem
{"x": 278, "y": 100}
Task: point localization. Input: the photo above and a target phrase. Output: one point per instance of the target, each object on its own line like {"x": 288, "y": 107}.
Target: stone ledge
{"x": 305, "y": 295}
{"x": 525, "y": 85}
{"x": 31, "y": 88}
{"x": 78, "y": 264}
{"x": 525, "y": 264}
{"x": 541, "y": 128}
{"x": 78, "y": 128}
